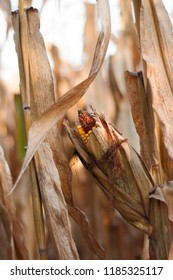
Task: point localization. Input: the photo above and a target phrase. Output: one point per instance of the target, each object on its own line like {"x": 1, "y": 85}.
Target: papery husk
{"x": 118, "y": 170}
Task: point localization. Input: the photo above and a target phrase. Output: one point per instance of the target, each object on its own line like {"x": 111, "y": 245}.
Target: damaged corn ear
{"x": 117, "y": 168}
{"x": 85, "y": 136}
{"x": 87, "y": 125}
{"x": 90, "y": 130}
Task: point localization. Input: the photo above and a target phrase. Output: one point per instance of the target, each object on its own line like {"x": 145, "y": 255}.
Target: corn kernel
{"x": 85, "y": 136}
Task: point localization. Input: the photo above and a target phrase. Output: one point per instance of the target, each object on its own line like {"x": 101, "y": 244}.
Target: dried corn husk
{"x": 117, "y": 168}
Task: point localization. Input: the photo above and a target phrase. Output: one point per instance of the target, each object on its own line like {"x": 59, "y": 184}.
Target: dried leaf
{"x": 142, "y": 116}
{"x": 39, "y": 95}
{"x": 157, "y": 50}
{"x": 55, "y": 205}
{"x": 55, "y": 113}
{"x": 166, "y": 162}
{"x": 82, "y": 221}
{"x": 12, "y": 238}
{"x": 171, "y": 252}
{"x": 160, "y": 237}
{"x": 137, "y": 6}
{"x": 161, "y": 218}
{"x": 165, "y": 193}
{"x": 21, "y": 250}
{"x": 7, "y": 249}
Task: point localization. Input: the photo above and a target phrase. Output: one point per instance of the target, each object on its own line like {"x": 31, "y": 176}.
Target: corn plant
{"x": 136, "y": 183}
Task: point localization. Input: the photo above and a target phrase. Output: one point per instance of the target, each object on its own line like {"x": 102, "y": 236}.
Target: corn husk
{"x": 118, "y": 170}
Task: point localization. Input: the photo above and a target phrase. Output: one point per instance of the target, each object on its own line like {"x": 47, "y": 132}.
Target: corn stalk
{"x": 37, "y": 85}
{"x": 25, "y": 93}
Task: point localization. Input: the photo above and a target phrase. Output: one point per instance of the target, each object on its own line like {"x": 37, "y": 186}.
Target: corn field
{"x": 86, "y": 154}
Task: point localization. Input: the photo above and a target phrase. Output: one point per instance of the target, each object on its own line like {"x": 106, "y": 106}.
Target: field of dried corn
{"x": 86, "y": 156}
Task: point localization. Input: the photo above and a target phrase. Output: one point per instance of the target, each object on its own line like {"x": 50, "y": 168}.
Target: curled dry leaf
{"x": 118, "y": 169}
{"x": 56, "y": 112}
{"x": 165, "y": 193}
{"x": 156, "y": 35}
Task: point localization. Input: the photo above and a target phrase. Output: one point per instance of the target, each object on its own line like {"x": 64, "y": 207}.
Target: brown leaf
{"x": 6, "y": 240}
{"x": 55, "y": 113}
{"x": 7, "y": 249}
{"x": 161, "y": 219}
{"x": 82, "y": 221}
{"x": 157, "y": 50}
{"x": 21, "y": 250}
{"x": 142, "y": 116}
{"x": 37, "y": 87}
{"x": 171, "y": 252}
{"x": 12, "y": 241}
{"x": 165, "y": 193}
{"x": 160, "y": 236}
{"x": 55, "y": 205}
{"x": 165, "y": 160}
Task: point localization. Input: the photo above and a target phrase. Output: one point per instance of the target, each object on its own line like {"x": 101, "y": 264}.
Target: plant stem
{"x": 25, "y": 92}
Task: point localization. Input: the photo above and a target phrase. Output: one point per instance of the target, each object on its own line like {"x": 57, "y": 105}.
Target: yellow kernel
{"x": 80, "y": 130}
{"x": 83, "y": 137}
